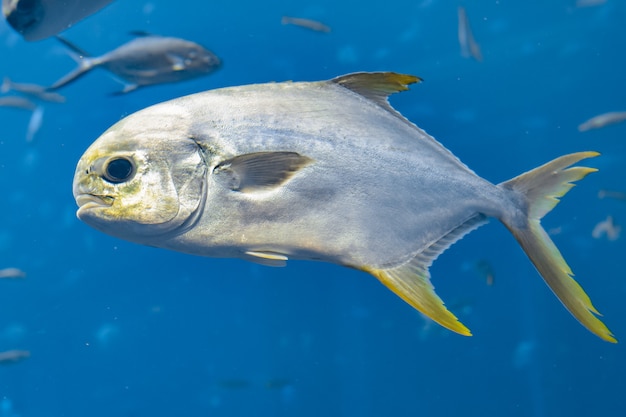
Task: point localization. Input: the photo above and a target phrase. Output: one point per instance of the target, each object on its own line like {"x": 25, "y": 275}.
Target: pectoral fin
{"x": 177, "y": 61}
{"x": 259, "y": 171}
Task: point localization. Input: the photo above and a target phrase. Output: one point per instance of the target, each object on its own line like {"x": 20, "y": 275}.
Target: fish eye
{"x": 118, "y": 170}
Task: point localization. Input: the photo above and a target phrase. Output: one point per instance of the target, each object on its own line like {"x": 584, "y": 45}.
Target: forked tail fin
{"x": 542, "y": 187}
{"x": 82, "y": 58}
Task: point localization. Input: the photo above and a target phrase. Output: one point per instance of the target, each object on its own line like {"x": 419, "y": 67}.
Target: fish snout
{"x": 209, "y": 62}
{"x": 86, "y": 192}
{"x": 88, "y": 199}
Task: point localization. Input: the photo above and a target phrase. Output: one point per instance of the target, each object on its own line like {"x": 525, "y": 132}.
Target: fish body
{"x": 13, "y": 356}
{"x": 607, "y": 228}
{"x": 34, "y": 123}
{"x": 146, "y": 60}
{"x": 39, "y": 19}
{"x": 313, "y": 25}
{"x": 33, "y": 90}
{"x": 469, "y": 46}
{"x": 12, "y": 273}
{"x": 602, "y": 120}
{"x": 323, "y": 171}
{"x": 17, "y": 102}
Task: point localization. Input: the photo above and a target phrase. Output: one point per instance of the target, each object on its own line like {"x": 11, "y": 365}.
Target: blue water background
{"x": 118, "y": 329}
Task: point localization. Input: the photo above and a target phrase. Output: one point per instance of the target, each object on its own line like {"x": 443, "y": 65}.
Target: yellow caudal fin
{"x": 541, "y": 189}
{"x": 411, "y": 281}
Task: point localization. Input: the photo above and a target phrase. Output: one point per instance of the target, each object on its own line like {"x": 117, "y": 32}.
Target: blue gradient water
{"x": 117, "y": 329}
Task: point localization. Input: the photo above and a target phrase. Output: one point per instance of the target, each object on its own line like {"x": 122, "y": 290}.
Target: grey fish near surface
{"x": 603, "y": 120}
{"x": 34, "y": 123}
{"x": 12, "y": 273}
{"x": 469, "y": 46}
{"x": 36, "y": 91}
{"x": 616, "y": 195}
{"x": 146, "y": 60}
{"x": 17, "y": 102}
{"x": 313, "y": 25}
{"x": 40, "y": 19}
{"x": 606, "y": 228}
{"x": 324, "y": 171}
{"x": 13, "y": 356}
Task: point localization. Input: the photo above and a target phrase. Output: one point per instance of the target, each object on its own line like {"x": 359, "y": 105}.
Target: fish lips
{"x": 88, "y": 203}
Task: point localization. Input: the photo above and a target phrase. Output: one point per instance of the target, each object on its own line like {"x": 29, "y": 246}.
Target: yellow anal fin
{"x": 412, "y": 283}
{"x": 266, "y": 258}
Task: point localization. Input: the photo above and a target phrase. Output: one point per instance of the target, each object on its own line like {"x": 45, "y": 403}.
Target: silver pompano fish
{"x": 40, "y": 19}
{"x": 315, "y": 170}
{"x": 146, "y": 60}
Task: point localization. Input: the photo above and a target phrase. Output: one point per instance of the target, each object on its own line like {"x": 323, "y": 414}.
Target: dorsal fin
{"x": 377, "y": 86}
{"x": 78, "y": 53}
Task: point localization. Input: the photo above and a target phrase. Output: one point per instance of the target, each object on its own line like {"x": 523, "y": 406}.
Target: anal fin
{"x": 411, "y": 281}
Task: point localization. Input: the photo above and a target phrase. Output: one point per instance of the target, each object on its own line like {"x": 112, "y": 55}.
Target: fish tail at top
{"x": 540, "y": 190}
{"x": 82, "y": 58}
{"x": 84, "y": 66}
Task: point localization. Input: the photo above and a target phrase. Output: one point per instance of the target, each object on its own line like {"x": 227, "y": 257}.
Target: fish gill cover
{"x": 94, "y": 325}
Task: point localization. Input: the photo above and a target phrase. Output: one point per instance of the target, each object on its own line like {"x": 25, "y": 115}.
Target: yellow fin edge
{"x": 413, "y": 286}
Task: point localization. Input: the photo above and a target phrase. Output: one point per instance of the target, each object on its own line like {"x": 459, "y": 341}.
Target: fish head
{"x": 144, "y": 178}
{"x": 193, "y": 58}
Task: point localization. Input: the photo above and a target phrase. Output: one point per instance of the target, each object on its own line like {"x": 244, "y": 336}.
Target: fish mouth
{"x": 90, "y": 201}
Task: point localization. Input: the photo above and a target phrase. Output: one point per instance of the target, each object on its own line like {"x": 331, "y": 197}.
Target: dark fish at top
{"x": 40, "y": 19}
{"x": 324, "y": 171}
{"x": 146, "y": 60}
